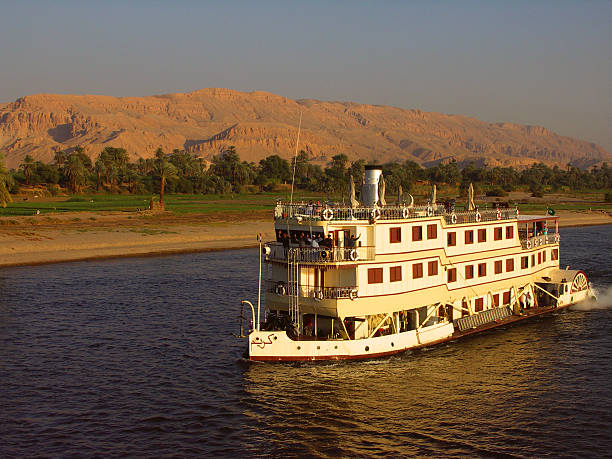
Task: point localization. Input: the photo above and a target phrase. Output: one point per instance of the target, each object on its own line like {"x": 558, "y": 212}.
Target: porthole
{"x": 367, "y": 348}
{"x": 299, "y": 348}
{"x": 275, "y": 338}
{"x": 335, "y": 347}
{"x": 318, "y": 347}
{"x": 392, "y": 344}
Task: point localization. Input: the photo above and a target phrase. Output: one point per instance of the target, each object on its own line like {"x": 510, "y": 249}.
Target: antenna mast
{"x": 295, "y": 158}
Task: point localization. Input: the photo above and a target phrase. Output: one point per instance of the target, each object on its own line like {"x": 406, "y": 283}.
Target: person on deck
{"x": 328, "y": 242}
{"x": 286, "y": 243}
{"x": 352, "y": 241}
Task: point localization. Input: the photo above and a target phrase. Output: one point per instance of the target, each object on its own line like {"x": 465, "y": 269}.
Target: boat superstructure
{"x": 379, "y": 279}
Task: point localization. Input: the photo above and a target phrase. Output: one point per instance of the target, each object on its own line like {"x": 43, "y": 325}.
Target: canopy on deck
{"x": 535, "y": 218}
{"x": 558, "y": 276}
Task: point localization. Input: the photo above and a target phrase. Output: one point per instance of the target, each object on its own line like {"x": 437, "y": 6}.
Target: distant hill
{"x": 259, "y": 124}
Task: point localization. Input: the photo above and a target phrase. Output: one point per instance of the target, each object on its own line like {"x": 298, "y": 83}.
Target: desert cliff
{"x": 259, "y": 124}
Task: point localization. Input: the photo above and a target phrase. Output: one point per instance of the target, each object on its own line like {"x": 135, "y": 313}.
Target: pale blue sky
{"x": 533, "y": 62}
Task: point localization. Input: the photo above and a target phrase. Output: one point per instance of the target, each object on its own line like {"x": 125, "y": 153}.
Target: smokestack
{"x": 369, "y": 189}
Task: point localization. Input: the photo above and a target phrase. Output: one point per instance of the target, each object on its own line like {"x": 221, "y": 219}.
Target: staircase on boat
{"x": 293, "y": 284}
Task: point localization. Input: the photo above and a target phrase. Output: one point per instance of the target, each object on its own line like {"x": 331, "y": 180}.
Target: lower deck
{"x": 381, "y": 335}
{"x": 375, "y": 347}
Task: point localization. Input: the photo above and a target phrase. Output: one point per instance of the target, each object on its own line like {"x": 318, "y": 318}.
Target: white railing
{"x": 318, "y": 293}
{"x": 321, "y": 254}
{"x": 332, "y": 212}
{"x": 537, "y": 241}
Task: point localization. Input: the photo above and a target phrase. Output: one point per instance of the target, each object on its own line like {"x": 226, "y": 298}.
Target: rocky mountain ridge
{"x": 259, "y": 124}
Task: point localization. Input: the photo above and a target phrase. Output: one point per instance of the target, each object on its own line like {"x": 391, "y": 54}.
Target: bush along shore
{"x": 179, "y": 172}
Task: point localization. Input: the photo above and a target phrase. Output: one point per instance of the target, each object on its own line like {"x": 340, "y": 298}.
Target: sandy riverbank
{"x": 34, "y": 240}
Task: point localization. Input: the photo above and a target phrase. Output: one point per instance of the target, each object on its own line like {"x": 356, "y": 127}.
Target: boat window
{"x": 417, "y": 270}
{"x": 469, "y": 272}
{"x": 509, "y": 265}
{"x": 375, "y": 276}
{"x": 432, "y": 268}
{"x": 497, "y": 233}
{"x": 498, "y": 267}
{"x": 451, "y": 275}
{"x": 506, "y": 297}
{"x": 451, "y": 239}
{"x": 417, "y": 233}
{"x": 432, "y": 231}
{"x": 524, "y": 262}
{"x": 482, "y": 269}
{"x": 395, "y": 273}
{"x": 395, "y": 234}
{"x": 539, "y": 257}
{"x": 554, "y": 254}
{"x": 496, "y": 299}
{"x": 482, "y": 235}
{"x": 544, "y": 256}
{"x": 532, "y": 260}
{"x": 469, "y": 237}
{"x": 478, "y": 304}
{"x": 509, "y": 232}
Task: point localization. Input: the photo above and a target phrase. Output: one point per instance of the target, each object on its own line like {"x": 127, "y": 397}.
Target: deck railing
{"x": 537, "y": 241}
{"x": 322, "y": 254}
{"x": 319, "y": 293}
{"x": 308, "y": 212}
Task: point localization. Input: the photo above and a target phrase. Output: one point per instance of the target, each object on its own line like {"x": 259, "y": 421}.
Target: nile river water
{"x": 135, "y": 357}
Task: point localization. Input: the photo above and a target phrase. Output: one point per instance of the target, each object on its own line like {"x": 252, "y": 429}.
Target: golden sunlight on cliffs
{"x": 259, "y": 124}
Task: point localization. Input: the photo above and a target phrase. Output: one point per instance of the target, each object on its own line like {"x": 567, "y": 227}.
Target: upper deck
{"x": 425, "y": 228}
{"x": 308, "y": 213}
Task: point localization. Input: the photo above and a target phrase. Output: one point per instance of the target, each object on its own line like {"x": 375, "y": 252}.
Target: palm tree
{"x": 75, "y": 171}
{"x": 164, "y": 169}
{"x": 60, "y": 158}
{"x": 100, "y": 170}
{"x": 5, "y": 178}
{"x": 113, "y": 173}
{"x": 27, "y": 166}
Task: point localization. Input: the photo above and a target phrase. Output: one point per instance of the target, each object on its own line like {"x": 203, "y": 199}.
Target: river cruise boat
{"x": 368, "y": 279}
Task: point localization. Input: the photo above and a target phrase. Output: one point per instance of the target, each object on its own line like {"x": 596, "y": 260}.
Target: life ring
{"x": 353, "y": 294}
{"x": 405, "y": 213}
{"x": 318, "y": 294}
{"x": 528, "y": 244}
{"x": 353, "y": 255}
{"x": 536, "y": 242}
{"x": 327, "y": 214}
{"x": 478, "y": 217}
{"x": 498, "y": 214}
{"x": 430, "y": 211}
{"x": 375, "y": 214}
{"x": 453, "y": 218}
{"x": 324, "y": 254}
{"x": 280, "y": 289}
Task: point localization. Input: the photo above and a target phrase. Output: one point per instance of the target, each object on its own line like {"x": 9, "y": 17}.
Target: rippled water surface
{"x": 135, "y": 357}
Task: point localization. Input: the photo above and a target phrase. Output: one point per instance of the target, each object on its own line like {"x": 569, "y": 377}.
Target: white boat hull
{"x": 276, "y": 345}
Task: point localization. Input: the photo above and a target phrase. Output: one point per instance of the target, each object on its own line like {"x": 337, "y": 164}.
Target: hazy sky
{"x": 534, "y": 62}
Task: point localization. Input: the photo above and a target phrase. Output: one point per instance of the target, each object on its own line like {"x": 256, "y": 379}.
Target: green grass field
{"x": 178, "y": 204}
{"x": 207, "y": 204}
